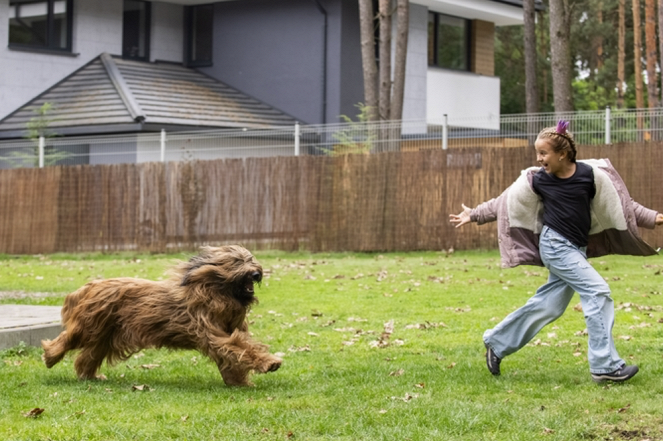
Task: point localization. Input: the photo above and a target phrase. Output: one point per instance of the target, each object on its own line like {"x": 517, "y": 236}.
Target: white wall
{"x": 471, "y": 98}
{"x": 97, "y": 29}
{"x": 416, "y": 65}
{"x": 24, "y": 75}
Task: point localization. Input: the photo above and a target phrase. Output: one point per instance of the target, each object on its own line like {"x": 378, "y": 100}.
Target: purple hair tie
{"x": 562, "y": 127}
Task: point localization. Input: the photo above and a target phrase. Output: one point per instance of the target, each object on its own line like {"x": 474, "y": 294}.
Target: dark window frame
{"x": 468, "y": 42}
{"x": 189, "y": 16}
{"x": 148, "y": 32}
{"x": 51, "y": 38}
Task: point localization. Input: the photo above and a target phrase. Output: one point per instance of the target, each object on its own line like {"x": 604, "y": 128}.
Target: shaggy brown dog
{"x": 202, "y": 306}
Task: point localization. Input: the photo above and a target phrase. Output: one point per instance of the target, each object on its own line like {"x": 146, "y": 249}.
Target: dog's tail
{"x": 54, "y": 350}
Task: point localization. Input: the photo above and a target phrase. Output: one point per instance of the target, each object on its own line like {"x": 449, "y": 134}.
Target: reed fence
{"x": 394, "y": 201}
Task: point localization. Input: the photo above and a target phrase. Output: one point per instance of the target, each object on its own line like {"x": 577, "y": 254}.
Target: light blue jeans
{"x": 569, "y": 272}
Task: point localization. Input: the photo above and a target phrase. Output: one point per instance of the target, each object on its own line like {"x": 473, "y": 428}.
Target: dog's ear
{"x": 194, "y": 264}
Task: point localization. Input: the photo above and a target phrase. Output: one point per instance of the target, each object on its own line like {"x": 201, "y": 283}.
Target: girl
{"x": 557, "y": 215}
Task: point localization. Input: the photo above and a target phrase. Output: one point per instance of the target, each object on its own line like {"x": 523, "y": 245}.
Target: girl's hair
{"x": 560, "y": 139}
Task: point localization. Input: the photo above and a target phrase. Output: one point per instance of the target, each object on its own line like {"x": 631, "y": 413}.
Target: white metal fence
{"x": 589, "y": 127}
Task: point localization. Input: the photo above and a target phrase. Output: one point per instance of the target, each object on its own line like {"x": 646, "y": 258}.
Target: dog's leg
{"x": 89, "y": 361}
{"x": 238, "y": 354}
{"x": 235, "y": 375}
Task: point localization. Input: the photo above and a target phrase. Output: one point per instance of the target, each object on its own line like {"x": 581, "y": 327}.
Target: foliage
{"x": 38, "y": 127}
{"x": 356, "y": 137}
{"x": 376, "y": 347}
{"x": 594, "y": 24}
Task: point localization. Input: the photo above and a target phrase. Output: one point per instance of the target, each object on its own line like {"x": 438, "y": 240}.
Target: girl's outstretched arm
{"x": 462, "y": 218}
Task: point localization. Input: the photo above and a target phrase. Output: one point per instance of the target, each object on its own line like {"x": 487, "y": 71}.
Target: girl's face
{"x": 551, "y": 161}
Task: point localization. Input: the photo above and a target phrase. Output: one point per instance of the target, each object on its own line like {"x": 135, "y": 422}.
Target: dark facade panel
{"x": 301, "y": 56}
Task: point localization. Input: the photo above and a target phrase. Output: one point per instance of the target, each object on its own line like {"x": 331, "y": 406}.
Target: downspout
{"x": 323, "y": 11}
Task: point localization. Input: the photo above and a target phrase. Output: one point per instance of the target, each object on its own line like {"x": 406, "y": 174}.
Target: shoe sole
{"x": 488, "y": 352}
{"x": 600, "y": 378}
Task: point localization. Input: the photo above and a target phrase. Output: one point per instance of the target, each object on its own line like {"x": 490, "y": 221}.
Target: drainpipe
{"x": 323, "y": 11}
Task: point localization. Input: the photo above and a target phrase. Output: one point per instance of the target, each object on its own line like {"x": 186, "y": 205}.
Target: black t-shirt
{"x": 566, "y": 202}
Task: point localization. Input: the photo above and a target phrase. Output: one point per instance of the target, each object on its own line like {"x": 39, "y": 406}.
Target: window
{"x": 44, "y": 24}
{"x": 136, "y": 30}
{"x": 448, "y": 41}
{"x": 199, "y": 26}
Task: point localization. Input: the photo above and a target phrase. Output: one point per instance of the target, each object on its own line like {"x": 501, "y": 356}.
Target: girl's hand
{"x": 464, "y": 217}
{"x": 659, "y": 219}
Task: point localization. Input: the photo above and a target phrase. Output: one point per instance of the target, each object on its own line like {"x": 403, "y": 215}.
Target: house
{"x": 105, "y": 64}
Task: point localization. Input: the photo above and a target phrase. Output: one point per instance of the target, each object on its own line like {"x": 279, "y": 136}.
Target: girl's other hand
{"x": 659, "y": 219}
{"x": 464, "y": 217}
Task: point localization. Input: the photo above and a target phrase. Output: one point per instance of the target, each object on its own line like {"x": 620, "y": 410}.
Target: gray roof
{"x": 110, "y": 94}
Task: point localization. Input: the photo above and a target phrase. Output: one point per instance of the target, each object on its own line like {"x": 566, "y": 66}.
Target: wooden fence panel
{"x": 396, "y": 201}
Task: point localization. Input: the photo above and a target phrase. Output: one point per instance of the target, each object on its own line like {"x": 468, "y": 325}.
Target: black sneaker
{"x": 622, "y": 374}
{"x": 492, "y": 360}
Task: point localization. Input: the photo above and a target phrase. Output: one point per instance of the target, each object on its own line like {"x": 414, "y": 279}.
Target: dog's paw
{"x": 273, "y": 365}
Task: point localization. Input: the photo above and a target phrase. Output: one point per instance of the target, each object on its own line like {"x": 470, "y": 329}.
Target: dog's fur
{"x": 202, "y": 306}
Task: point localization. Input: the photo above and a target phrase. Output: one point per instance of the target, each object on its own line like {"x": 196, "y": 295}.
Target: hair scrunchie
{"x": 562, "y": 127}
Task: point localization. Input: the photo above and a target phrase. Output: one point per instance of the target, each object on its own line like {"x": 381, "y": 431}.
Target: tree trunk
{"x": 651, "y": 52}
{"x": 402, "y": 26}
{"x": 384, "y": 88}
{"x": 660, "y": 38}
{"x": 560, "y": 55}
{"x": 370, "y": 70}
{"x": 637, "y": 63}
{"x": 531, "y": 90}
{"x": 599, "y": 38}
{"x": 637, "y": 55}
{"x": 543, "y": 49}
{"x": 621, "y": 54}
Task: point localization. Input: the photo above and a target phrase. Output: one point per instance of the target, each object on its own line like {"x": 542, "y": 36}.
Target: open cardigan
{"x": 615, "y": 218}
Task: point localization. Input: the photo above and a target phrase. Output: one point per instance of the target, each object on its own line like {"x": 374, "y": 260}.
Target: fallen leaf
{"x": 624, "y": 409}
{"x": 34, "y": 413}
{"x": 141, "y": 387}
{"x": 397, "y": 373}
{"x": 149, "y": 366}
{"x": 547, "y": 431}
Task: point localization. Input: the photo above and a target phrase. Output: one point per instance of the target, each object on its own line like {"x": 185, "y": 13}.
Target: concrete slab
{"x": 29, "y": 324}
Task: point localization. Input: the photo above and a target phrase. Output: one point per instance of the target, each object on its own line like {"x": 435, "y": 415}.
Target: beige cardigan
{"x": 615, "y": 218}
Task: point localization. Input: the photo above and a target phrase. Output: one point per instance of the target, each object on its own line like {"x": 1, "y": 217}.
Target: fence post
{"x": 42, "y": 141}
{"x": 445, "y": 133}
{"x": 607, "y": 125}
{"x": 163, "y": 145}
{"x": 297, "y": 138}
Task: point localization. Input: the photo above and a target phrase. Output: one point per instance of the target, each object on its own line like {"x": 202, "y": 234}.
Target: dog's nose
{"x": 256, "y": 276}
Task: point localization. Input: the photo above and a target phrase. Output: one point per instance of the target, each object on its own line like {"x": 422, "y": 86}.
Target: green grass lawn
{"x": 341, "y": 377}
